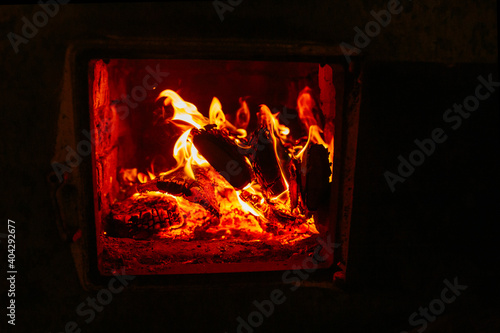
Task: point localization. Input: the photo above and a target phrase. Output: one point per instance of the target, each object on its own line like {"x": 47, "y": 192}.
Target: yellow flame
{"x": 283, "y": 197}
{"x": 231, "y": 204}
{"x": 216, "y": 116}
{"x": 272, "y": 123}
{"x": 142, "y": 177}
{"x": 186, "y": 154}
{"x": 183, "y": 110}
{"x": 246, "y": 207}
{"x": 314, "y": 137}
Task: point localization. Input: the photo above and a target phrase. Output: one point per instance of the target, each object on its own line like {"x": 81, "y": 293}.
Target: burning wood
{"x": 176, "y": 206}
{"x": 180, "y": 185}
{"x": 226, "y": 185}
{"x": 139, "y": 212}
{"x": 294, "y": 189}
{"x": 265, "y": 162}
{"x": 315, "y": 175}
{"x": 222, "y": 153}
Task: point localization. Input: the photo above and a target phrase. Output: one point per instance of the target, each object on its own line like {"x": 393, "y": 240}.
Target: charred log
{"x": 133, "y": 216}
{"x": 265, "y": 162}
{"x": 181, "y": 186}
{"x": 315, "y": 176}
{"x": 294, "y": 188}
{"x": 223, "y": 155}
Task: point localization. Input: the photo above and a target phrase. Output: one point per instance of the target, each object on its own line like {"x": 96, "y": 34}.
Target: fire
{"x": 193, "y": 199}
{"x": 183, "y": 111}
{"x": 313, "y": 137}
{"x": 243, "y": 115}
{"x": 278, "y": 131}
{"x": 246, "y": 207}
{"x": 305, "y": 107}
{"x": 186, "y": 155}
{"x": 271, "y": 121}
{"x": 217, "y": 117}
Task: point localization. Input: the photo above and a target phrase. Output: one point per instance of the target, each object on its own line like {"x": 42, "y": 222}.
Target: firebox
{"x": 208, "y": 161}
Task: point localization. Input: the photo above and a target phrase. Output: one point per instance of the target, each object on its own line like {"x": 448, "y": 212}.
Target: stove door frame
{"x": 75, "y": 207}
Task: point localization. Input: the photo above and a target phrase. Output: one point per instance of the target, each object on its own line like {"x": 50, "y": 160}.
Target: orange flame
{"x": 314, "y": 137}
{"x": 305, "y": 106}
{"x": 278, "y": 131}
{"x": 132, "y": 176}
{"x": 129, "y": 175}
{"x": 243, "y": 115}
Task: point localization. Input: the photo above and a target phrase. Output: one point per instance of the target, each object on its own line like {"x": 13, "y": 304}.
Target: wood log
{"x": 265, "y": 162}
{"x": 178, "y": 184}
{"x": 223, "y": 155}
{"x": 315, "y": 177}
{"x": 294, "y": 189}
{"x": 143, "y": 215}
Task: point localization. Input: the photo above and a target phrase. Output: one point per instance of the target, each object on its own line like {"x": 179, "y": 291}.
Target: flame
{"x": 242, "y": 115}
{"x": 314, "y": 137}
{"x": 282, "y": 197}
{"x": 271, "y": 121}
{"x": 246, "y": 207}
{"x": 278, "y": 131}
{"x": 305, "y": 106}
{"x": 183, "y": 110}
{"x": 129, "y": 175}
{"x": 142, "y": 177}
{"x": 216, "y": 116}
{"x": 186, "y": 155}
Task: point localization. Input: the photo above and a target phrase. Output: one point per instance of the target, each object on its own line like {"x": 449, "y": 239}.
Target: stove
{"x": 189, "y": 159}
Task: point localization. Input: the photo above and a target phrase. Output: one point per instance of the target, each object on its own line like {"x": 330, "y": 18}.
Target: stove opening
{"x": 211, "y": 166}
